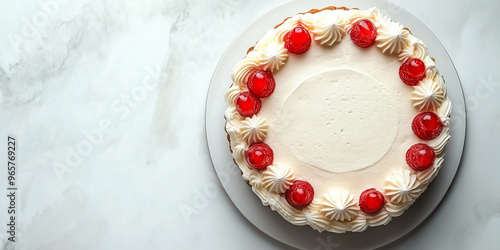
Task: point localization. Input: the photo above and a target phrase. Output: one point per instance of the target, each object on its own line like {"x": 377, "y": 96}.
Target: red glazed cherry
{"x": 371, "y": 201}
{"x": 420, "y": 156}
{"x": 259, "y": 156}
{"x": 412, "y": 71}
{"x": 298, "y": 40}
{"x": 261, "y": 83}
{"x": 364, "y": 33}
{"x": 300, "y": 194}
{"x": 427, "y": 125}
{"x": 248, "y": 104}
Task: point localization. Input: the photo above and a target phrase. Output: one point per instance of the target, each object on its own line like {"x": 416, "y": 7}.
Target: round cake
{"x": 338, "y": 119}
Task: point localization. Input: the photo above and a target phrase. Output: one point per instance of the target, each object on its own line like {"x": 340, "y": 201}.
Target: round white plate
{"x": 271, "y": 222}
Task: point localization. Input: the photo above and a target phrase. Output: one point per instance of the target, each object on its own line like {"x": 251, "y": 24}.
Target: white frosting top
{"x": 339, "y": 118}
{"x": 307, "y": 124}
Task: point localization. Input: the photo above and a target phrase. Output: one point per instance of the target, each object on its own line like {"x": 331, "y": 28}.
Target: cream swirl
{"x": 305, "y": 21}
{"x": 401, "y": 186}
{"x": 437, "y": 78}
{"x": 339, "y": 205}
{"x": 428, "y": 95}
{"x": 445, "y": 110}
{"x": 231, "y": 94}
{"x": 427, "y": 175}
{"x": 277, "y": 203}
{"x": 273, "y": 202}
{"x": 232, "y": 129}
{"x": 415, "y": 49}
{"x": 254, "y": 129}
{"x": 277, "y": 178}
{"x": 239, "y": 155}
{"x": 397, "y": 209}
{"x": 272, "y": 55}
{"x": 429, "y": 63}
{"x": 373, "y": 14}
{"x": 338, "y": 227}
{"x": 382, "y": 217}
{"x": 392, "y": 37}
{"x": 329, "y": 29}
{"x": 233, "y": 132}
{"x": 440, "y": 142}
{"x": 232, "y": 115}
{"x": 255, "y": 181}
{"x": 244, "y": 68}
{"x": 358, "y": 224}
{"x": 315, "y": 218}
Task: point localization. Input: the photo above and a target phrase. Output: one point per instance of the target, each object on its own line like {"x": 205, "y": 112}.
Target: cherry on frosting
{"x": 259, "y": 156}
{"x": 298, "y": 40}
{"x": 371, "y": 201}
{"x": 427, "y": 125}
{"x": 420, "y": 156}
{"x": 247, "y": 104}
{"x": 261, "y": 83}
{"x": 300, "y": 194}
{"x": 412, "y": 71}
{"x": 364, "y": 33}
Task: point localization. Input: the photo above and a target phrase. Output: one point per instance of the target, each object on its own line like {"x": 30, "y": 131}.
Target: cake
{"x": 338, "y": 119}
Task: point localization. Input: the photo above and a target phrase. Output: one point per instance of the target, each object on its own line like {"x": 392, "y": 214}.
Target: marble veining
{"x": 107, "y": 100}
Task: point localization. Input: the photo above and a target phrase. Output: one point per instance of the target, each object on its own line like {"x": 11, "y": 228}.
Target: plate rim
{"x": 464, "y": 116}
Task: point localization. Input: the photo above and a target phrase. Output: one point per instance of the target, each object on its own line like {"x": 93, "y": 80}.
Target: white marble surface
{"x": 106, "y": 100}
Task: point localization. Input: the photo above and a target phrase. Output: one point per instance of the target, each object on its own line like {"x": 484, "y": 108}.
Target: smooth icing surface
{"x": 336, "y": 130}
